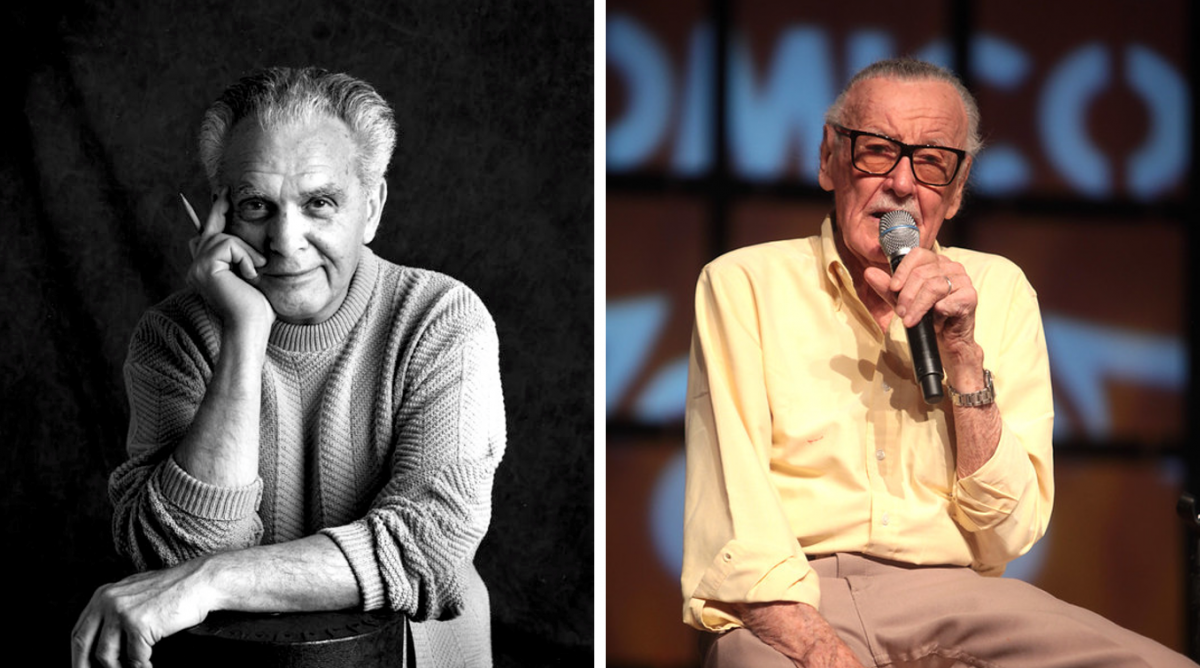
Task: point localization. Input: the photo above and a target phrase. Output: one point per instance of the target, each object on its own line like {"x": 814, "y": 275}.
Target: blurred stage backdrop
{"x": 1087, "y": 114}
{"x": 492, "y": 183}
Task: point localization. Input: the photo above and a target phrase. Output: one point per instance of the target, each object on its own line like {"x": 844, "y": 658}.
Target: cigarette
{"x": 191, "y": 212}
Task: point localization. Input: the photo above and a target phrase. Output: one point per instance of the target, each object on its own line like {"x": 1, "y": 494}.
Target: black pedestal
{"x": 289, "y": 640}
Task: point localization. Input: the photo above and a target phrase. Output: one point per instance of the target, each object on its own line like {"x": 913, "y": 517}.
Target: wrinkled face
{"x": 913, "y": 112}
{"x": 295, "y": 196}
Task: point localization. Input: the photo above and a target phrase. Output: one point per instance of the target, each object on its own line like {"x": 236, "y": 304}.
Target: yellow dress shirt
{"x": 807, "y": 434}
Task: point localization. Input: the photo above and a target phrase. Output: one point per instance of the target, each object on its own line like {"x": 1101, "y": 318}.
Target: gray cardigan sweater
{"x": 381, "y": 427}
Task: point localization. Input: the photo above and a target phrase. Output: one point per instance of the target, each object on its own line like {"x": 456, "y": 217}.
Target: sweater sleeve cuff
{"x": 358, "y": 545}
{"x": 989, "y": 495}
{"x": 200, "y": 499}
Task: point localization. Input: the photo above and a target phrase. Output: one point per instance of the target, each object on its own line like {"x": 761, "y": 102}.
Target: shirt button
{"x": 886, "y": 387}
{"x": 885, "y": 519}
{"x": 727, "y": 557}
{"x": 880, "y": 455}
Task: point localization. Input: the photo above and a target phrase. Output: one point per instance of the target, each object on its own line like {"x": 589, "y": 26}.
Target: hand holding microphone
{"x": 898, "y": 234}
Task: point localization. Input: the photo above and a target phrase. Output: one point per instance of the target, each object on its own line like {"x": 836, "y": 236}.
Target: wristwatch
{"x": 981, "y": 398}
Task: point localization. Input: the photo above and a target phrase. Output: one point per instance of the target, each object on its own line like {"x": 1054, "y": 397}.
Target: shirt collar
{"x": 839, "y": 282}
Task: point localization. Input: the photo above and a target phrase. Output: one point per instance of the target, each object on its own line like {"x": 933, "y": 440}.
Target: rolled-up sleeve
{"x": 162, "y": 516}
{"x": 410, "y": 551}
{"x": 738, "y": 545}
{"x": 1005, "y": 505}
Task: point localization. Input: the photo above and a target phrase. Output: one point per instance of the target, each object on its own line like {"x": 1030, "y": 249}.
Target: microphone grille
{"x": 898, "y": 232}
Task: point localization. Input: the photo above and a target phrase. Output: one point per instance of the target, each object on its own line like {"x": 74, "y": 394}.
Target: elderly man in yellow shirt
{"x": 833, "y": 517}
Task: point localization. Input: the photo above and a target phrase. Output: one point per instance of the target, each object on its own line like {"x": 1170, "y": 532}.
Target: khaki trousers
{"x": 894, "y": 614}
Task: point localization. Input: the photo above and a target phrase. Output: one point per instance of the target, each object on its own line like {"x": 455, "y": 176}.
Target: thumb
{"x": 879, "y": 280}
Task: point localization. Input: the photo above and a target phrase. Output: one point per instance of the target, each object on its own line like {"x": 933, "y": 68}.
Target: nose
{"x": 900, "y": 180}
{"x": 287, "y": 234}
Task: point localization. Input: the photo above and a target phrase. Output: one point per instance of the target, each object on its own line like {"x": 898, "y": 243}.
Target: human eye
{"x": 934, "y": 166}
{"x": 877, "y": 146}
{"x": 253, "y": 210}
{"x": 930, "y": 157}
{"x": 875, "y": 155}
{"x": 321, "y": 205}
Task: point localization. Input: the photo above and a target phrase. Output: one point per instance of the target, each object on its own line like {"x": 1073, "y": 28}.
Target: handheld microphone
{"x": 898, "y": 234}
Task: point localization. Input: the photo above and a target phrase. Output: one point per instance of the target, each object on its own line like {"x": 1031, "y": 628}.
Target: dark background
{"x": 491, "y": 183}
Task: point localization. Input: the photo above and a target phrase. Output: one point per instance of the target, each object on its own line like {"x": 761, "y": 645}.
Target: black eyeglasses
{"x": 878, "y": 155}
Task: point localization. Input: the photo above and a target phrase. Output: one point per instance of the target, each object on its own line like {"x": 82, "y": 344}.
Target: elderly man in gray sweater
{"x": 312, "y": 427}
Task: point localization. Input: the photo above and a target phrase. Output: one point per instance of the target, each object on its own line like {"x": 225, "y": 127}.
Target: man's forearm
{"x": 221, "y": 447}
{"x": 306, "y": 574}
{"x": 978, "y": 433}
{"x": 799, "y": 632}
{"x": 977, "y": 428}
{"x": 128, "y": 617}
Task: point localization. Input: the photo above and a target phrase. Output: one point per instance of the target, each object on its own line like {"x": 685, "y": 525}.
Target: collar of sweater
{"x": 323, "y": 335}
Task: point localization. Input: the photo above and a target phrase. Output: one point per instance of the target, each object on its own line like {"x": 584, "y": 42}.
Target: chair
{"x": 376, "y": 639}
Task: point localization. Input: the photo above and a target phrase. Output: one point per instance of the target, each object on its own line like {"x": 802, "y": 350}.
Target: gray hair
{"x": 279, "y": 96}
{"x": 911, "y": 69}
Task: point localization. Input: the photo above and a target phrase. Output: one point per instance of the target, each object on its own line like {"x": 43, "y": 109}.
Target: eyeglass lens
{"x": 933, "y": 166}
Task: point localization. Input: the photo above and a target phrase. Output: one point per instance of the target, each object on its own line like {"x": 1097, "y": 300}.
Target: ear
{"x": 825, "y": 170}
{"x": 375, "y": 201}
{"x": 959, "y": 186}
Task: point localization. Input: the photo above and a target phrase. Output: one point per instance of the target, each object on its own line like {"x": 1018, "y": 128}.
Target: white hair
{"x": 282, "y": 95}
{"x": 911, "y": 69}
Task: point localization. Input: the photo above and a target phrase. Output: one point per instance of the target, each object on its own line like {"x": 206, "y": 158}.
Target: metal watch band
{"x": 981, "y": 398}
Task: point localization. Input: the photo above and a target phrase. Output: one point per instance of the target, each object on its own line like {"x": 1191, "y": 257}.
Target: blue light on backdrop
{"x": 775, "y": 120}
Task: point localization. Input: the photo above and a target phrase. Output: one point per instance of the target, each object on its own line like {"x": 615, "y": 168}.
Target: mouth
{"x": 291, "y": 276}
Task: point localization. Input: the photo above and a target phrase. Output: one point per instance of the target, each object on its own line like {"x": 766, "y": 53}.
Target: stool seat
{"x": 375, "y": 639}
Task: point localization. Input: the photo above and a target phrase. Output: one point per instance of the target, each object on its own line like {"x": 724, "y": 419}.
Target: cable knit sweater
{"x": 381, "y": 427}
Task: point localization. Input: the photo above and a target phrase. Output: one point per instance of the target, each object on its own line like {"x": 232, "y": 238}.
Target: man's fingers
{"x": 137, "y": 649}
{"x": 228, "y": 250}
{"x": 215, "y": 223}
{"x": 107, "y": 650}
{"x": 929, "y": 282}
{"x": 244, "y": 256}
{"x": 246, "y": 263}
{"x": 920, "y": 294}
{"x": 880, "y": 281}
{"x": 214, "y": 251}
{"x": 917, "y": 257}
{"x": 82, "y": 637}
{"x": 256, "y": 257}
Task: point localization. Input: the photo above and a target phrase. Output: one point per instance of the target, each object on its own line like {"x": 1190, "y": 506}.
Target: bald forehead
{"x": 923, "y": 111}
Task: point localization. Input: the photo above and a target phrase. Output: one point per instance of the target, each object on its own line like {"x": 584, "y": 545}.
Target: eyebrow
{"x": 331, "y": 191}
{"x": 246, "y": 190}
{"x": 922, "y": 145}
